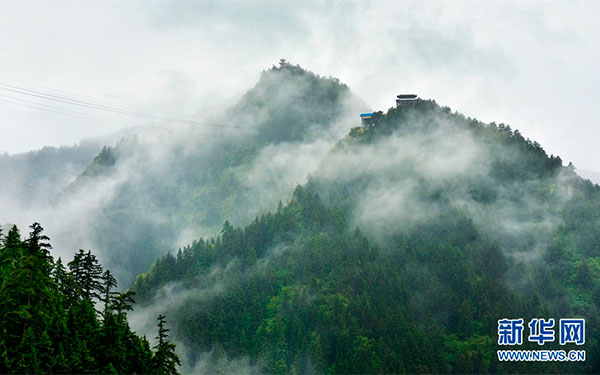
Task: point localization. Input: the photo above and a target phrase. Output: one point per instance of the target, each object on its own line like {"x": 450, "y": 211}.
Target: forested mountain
{"x": 414, "y": 235}
{"x": 590, "y": 175}
{"x": 308, "y": 244}
{"x": 235, "y": 165}
{"x": 57, "y": 320}
{"x": 33, "y": 178}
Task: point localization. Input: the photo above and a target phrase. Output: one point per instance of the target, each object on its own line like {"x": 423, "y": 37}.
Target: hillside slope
{"x": 33, "y": 178}
{"x": 413, "y": 237}
{"x": 232, "y": 166}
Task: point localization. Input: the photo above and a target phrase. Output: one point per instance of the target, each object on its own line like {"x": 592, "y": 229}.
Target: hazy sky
{"x": 533, "y": 64}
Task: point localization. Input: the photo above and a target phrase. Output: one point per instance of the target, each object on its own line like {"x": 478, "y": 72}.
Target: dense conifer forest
{"x": 397, "y": 245}
{"x": 69, "y": 319}
{"x": 315, "y": 287}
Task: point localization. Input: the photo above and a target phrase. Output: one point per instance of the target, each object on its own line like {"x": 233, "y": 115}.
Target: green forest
{"x": 398, "y": 251}
{"x": 203, "y": 180}
{"x": 306, "y": 290}
{"x": 57, "y": 319}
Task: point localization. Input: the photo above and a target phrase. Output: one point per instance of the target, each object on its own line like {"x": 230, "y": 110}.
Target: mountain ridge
{"x": 401, "y": 242}
{"x": 170, "y": 189}
{"x": 473, "y": 220}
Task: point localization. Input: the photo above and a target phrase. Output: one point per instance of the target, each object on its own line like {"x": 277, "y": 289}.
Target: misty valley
{"x": 285, "y": 234}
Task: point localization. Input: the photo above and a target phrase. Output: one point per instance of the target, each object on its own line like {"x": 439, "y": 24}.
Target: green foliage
{"x": 299, "y": 291}
{"x": 48, "y": 319}
{"x": 164, "y": 361}
{"x": 87, "y": 275}
{"x": 203, "y": 181}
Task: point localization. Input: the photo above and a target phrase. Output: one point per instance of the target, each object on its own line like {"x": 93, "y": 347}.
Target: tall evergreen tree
{"x": 65, "y": 284}
{"x": 48, "y": 320}
{"x": 165, "y": 360}
{"x": 10, "y": 251}
{"x": 108, "y": 283}
{"x": 87, "y": 274}
{"x": 28, "y": 295}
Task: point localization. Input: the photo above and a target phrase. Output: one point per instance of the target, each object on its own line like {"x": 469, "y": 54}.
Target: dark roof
{"x": 406, "y": 96}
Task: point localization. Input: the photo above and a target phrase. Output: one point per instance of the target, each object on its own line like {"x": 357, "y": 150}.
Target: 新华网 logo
{"x": 541, "y": 331}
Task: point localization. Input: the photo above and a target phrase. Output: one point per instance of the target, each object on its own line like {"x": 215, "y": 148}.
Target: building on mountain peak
{"x": 366, "y": 117}
{"x": 404, "y": 100}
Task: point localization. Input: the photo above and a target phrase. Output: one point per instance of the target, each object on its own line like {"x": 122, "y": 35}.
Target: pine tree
{"x": 227, "y": 233}
{"x": 165, "y": 360}
{"x": 87, "y": 274}
{"x": 10, "y": 252}
{"x": 109, "y": 282}
{"x": 123, "y": 302}
{"x": 65, "y": 283}
{"x": 28, "y": 296}
{"x": 48, "y": 320}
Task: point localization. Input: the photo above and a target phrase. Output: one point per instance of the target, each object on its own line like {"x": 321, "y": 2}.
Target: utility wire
{"x": 92, "y": 99}
{"x": 84, "y": 103}
{"x": 90, "y": 104}
{"x": 94, "y": 104}
{"x": 106, "y": 108}
{"x": 83, "y": 115}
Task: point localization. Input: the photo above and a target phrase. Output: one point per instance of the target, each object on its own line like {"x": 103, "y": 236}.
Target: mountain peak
{"x": 289, "y": 103}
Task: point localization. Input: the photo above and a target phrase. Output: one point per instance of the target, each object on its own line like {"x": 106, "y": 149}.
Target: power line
{"x": 83, "y": 115}
{"x": 67, "y": 100}
{"x": 96, "y": 100}
{"x": 95, "y": 105}
{"x": 88, "y": 104}
{"x": 106, "y": 108}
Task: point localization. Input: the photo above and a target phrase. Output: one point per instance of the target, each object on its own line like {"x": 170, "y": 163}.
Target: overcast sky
{"x": 532, "y": 65}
